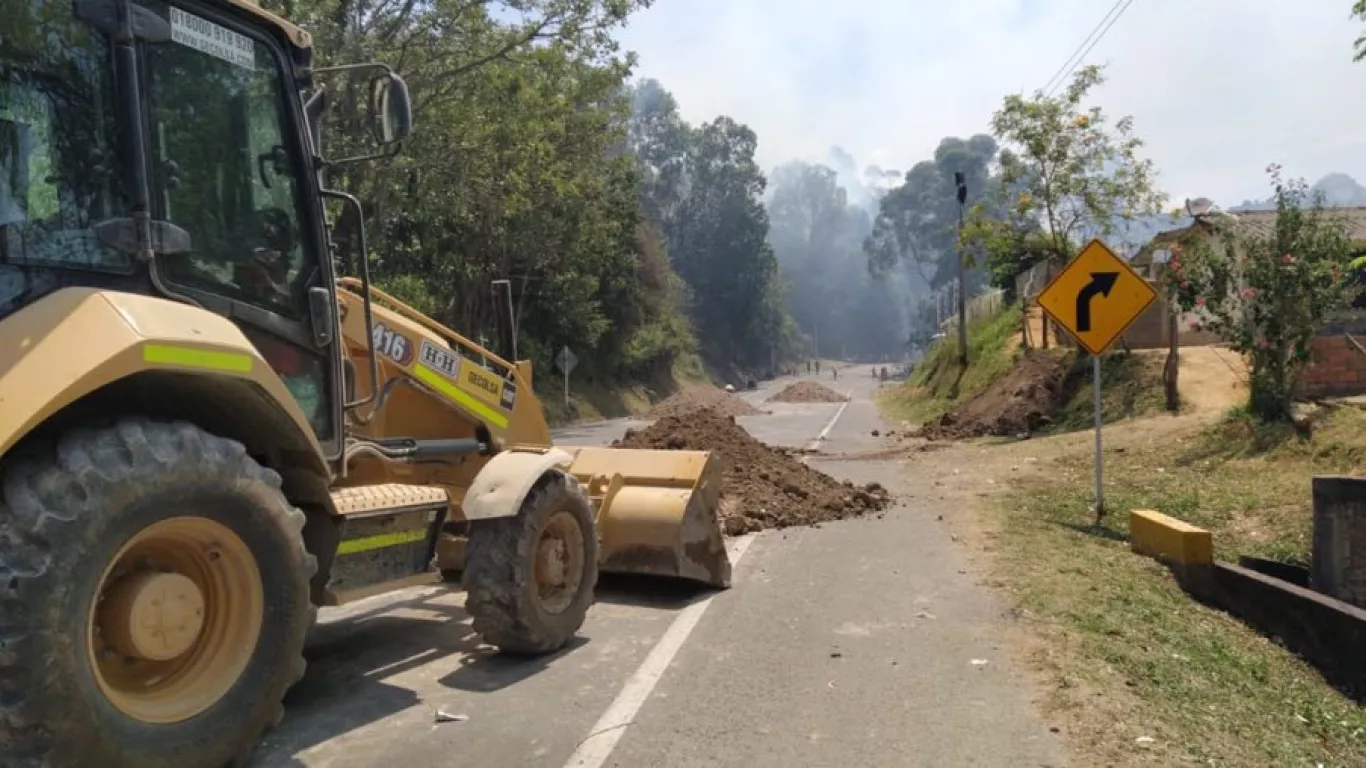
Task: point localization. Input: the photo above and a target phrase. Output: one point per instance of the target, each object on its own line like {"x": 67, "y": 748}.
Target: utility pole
{"x": 962, "y": 185}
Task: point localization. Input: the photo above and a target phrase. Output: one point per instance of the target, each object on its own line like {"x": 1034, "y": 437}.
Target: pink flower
{"x": 1249, "y": 293}
{"x": 1199, "y": 301}
{"x": 1185, "y": 285}
{"x": 1287, "y": 258}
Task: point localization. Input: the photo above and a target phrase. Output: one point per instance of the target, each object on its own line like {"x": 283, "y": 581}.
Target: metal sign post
{"x": 1100, "y": 459}
{"x": 1096, "y": 297}
{"x": 565, "y": 361}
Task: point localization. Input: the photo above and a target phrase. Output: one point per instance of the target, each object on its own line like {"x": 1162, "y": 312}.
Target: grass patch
{"x": 937, "y": 383}
{"x": 593, "y": 401}
{"x": 1207, "y": 688}
{"x": 1130, "y": 387}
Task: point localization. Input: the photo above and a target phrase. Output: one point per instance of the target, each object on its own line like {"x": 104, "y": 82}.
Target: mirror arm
{"x": 396, "y": 147}
{"x": 388, "y": 70}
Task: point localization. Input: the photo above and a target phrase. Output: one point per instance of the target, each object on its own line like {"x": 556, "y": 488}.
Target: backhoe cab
{"x": 207, "y": 432}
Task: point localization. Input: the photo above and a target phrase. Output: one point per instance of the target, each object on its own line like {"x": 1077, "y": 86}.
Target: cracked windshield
{"x": 682, "y": 383}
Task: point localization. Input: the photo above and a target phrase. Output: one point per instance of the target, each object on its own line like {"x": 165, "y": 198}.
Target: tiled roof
{"x": 1263, "y": 223}
{"x": 1255, "y": 224}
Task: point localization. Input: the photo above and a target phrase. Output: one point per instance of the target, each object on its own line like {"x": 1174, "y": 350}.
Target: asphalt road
{"x": 859, "y": 643}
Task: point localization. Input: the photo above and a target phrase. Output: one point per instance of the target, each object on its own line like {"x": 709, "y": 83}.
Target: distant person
{"x": 836, "y": 373}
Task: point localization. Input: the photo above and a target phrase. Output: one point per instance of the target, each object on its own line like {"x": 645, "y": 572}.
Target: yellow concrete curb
{"x": 1166, "y": 538}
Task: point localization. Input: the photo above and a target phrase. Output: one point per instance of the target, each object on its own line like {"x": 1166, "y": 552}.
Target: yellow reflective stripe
{"x": 231, "y": 362}
{"x": 380, "y": 541}
{"x": 448, "y": 388}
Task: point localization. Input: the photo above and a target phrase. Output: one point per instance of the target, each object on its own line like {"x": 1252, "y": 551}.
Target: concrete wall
{"x": 1325, "y": 632}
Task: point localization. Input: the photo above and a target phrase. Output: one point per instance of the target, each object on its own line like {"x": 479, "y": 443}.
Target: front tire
{"x": 154, "y": 596}
{"x": 529, "y": 579}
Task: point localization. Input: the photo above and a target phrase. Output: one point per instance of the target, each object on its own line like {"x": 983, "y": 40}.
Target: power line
{"x": 1079, "y": 60}
{"x": 1075, "y": 53}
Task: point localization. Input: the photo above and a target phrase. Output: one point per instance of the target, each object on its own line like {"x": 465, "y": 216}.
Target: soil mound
{"x": 763, "y": 487}
{"x": 1021, "y": 402}
{"x": 807, "y": 392}
{"x": 702, "y": 396}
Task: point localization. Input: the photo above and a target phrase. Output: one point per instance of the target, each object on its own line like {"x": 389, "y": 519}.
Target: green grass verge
{"x": 1207, "y": 688}
{"x": 1130, "y": 388}
{"x": 936, "y": 386}
{"x": 591, "y": 401}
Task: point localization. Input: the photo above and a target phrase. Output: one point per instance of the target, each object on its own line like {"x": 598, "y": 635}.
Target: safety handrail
{"x": 354, "y": 284}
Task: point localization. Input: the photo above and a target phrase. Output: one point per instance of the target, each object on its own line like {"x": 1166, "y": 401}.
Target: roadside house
{"x": 1339, "y": 362}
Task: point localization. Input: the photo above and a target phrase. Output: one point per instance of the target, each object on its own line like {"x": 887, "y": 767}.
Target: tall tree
{"x": 817, "y": 236}
{"x": 1070, "y": 170}
{"x": 705, "y": 190}
{"x": 515, "y": 170}
{"x": 917, "y": 221}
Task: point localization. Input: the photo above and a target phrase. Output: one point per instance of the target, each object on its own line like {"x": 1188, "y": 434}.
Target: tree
{"x": 1359, "y": 45}
{"x": 1267, "y": 296}
{"x": 703, "y": 188}
{"x": 519, "y": 168}
{"x": 917, "y": 221}
{"x": 1068, "y": 169}
{"x": 818, "y": 236}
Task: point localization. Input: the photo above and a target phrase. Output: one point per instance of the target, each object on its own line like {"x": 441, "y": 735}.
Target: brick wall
{"x": 1336, "y": 368}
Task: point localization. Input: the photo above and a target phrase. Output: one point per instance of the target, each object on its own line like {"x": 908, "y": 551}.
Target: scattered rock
{"x": 763, "y": 487}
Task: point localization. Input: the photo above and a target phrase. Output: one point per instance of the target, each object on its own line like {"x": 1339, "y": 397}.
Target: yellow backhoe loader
{"x": 206, "y": 432}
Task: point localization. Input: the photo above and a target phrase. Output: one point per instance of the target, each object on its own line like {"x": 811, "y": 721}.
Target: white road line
{"x": 594, "y": 750}
{"x": 824, "y": 432}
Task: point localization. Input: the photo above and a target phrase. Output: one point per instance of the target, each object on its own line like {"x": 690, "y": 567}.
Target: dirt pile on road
{"x": 763, "y": 487}
{"x": 1022, "y": 402}
{"x": 807, "y": 392}
{"x": 699, "y": 397}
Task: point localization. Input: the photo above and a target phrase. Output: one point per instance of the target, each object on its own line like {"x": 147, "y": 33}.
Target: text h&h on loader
{"x": 207, "y": 433}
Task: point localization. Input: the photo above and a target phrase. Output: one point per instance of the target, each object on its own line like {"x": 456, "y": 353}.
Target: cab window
{"x": 224, "y": 167}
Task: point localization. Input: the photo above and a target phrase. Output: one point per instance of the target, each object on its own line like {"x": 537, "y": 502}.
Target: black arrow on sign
{"x": 1101, "y": 283}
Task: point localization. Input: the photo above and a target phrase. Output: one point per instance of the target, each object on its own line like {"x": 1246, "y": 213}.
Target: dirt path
{"x": 1211, "y": 378}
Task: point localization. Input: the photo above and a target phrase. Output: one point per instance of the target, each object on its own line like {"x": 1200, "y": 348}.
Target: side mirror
{"x": 391, "y": 111}
{"x": 321, "y": 310}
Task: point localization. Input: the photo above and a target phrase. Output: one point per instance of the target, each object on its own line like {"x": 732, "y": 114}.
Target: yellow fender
{"x": 77, "y": 345}
{"x": 502, "y": 485}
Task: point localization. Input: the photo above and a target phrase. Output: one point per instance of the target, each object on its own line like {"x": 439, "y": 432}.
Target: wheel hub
{"x": 552, "y": 564}
{"x": 152, "y": 616}
{"x": 559, "y": 562}
{"x": 178, "y": 613}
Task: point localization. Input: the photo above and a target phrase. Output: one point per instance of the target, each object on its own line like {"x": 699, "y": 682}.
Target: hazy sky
{"x": 1217, "y": 88}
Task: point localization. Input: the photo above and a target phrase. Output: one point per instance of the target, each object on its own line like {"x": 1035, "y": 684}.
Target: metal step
{"x": 362, "y": 500}
{"x": 388, "y": 539}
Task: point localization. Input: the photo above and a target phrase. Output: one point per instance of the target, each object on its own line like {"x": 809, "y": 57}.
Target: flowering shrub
{"x": 1267, "y": 296}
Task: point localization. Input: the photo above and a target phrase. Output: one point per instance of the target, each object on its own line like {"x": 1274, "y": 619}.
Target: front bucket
{"x": 656, "y": 511}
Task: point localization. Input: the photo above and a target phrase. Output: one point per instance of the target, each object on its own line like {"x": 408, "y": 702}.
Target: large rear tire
{"x": 529, "y": 579}
{"x": 154, "y": 596}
